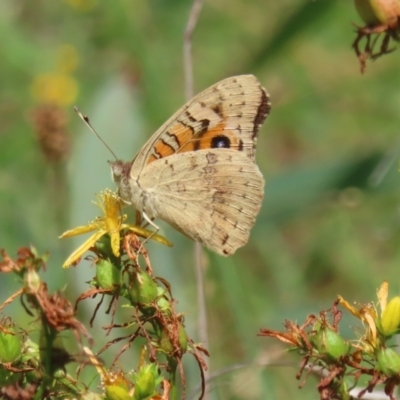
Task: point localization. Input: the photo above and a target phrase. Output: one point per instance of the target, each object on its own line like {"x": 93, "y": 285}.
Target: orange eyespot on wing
{"x": 226, "y": 115}
{"x": 218, "y": 137}
{"x": 181, "y": 139}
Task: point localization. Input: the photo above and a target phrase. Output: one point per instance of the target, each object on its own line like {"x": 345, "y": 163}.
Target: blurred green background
{"x": 329, "y": 152}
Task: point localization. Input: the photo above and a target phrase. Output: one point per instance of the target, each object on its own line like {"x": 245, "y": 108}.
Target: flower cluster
{"x": 341, "y": 362}
{"x": 116, "y": 248}
{"x": 30, "y": 369}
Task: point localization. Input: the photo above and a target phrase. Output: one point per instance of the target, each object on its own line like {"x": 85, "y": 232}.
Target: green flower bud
{"x": 10, "y": 346}
{"x": 143, "y": 289}
{"x": 108, "y": 276}
{"x": 377, "y": 12}
{"x": 388, "y": 362}
{"x": 145, "y": 381}
{"x": 32, "y": 281}
{"x": 330, "y": 344}
{"x": 390, "y": 320}
{"x": 91, "y": 396}
{"x": 114, "y": 392}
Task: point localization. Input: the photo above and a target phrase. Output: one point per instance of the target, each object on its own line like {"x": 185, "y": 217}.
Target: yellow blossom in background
{"x": 82, "y": 5}
{"x": 54, "y": 88}
{"x": 111, "y": 223}
{"x": 67, "y": 59}
{"x": 58, "y": 88}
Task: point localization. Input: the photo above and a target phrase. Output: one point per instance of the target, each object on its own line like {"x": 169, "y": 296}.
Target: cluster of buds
{"x": 116, "y": 247}
{"x": 37, "y": 370}
{"x": 29, "y": 369}
{"x": 342, "y": 362}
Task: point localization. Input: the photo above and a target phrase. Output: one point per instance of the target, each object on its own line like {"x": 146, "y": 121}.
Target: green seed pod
{"x": 378, "y": 12}
{"x": 108, "y": 276}
{"x": 163, "y": 302}
{"x": 143, "y": 289}
{"x": 329, "y": 343}
{"x": 183, "y": 339}
{"x": 10, "y": 346}
{"x": 388, "y": 362}
{"x": 165, "y": 342}
{"x": 390, "y": 319}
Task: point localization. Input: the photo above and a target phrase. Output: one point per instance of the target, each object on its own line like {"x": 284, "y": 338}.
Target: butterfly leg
{"x": 138, "y": 218}
{"x": 150, "y": 222}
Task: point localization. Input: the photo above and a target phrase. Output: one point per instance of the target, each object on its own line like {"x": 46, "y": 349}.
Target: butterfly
{"x": 198, "y": 172}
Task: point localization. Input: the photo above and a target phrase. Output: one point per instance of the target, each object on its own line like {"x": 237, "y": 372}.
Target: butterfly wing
{"x": 197, "y": 172}
{"x": 212, "y": 196}
{"x": 226, "y": 115}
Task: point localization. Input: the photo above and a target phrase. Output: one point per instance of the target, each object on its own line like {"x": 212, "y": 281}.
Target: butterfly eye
{"x": 116, "y": 170}
{"x": 220, "y": 142}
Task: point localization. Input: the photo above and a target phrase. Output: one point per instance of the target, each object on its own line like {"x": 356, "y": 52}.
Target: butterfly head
{"x": 119, "y": 169}
{"x": 120, "y": 172}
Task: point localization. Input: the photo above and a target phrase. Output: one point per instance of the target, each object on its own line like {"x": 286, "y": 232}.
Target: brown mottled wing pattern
{"x": 212, "y": 196}
{"x": 197, "y": 172}
{"x": 234, "y": 107}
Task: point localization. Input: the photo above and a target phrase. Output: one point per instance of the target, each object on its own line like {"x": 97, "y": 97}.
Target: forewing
{"x": 228, "y": 115}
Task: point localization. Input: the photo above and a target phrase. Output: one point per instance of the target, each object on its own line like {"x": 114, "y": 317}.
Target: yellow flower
{"x": 111, "y": 223}
{"x": 368, "y": 315}
{"x": 387, "y": 323}
{"x": 54, "y": 88}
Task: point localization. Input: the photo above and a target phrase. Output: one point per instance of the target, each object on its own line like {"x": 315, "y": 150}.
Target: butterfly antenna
{"x": 85, "y": 119}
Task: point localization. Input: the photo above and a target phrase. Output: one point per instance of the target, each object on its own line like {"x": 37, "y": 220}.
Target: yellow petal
{"x": 370, "y": 319}
{"x": 382, "y": 294}
{"x": 112, "y": 224}
{"x": 349, "y": 307}
{"x": 115, "y": 242}
{"x": 100, "y": 368}
{"x": 390, "y": 319}
{"x": 146, "y": 233}
{"x": 82, "y": 229}
{"x": 83, "y": 247}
